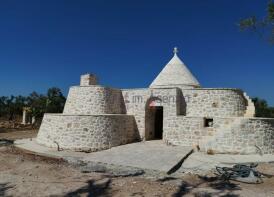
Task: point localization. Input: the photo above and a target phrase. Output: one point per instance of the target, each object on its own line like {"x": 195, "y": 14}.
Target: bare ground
{"x": 13, "y": 135}
{"x": 23, "y": 174}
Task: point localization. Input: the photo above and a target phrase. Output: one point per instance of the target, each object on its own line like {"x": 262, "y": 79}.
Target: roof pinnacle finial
{"x": 175, "y": 50}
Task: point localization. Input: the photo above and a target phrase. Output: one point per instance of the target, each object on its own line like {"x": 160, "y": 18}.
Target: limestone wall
{"x": 184, "y": 131}
{"x": 245, "y": 136}
{"x": 215, "y": 102}
{"x": 94, "y": 118}
{"x": 97, "y": 118}
{"x": 87, "y": 132}
{"x": 137, "y": 99}
{"x": 195, "y": 104}
{"x": 94, "y": 100}
{"x": 236, "y": 135}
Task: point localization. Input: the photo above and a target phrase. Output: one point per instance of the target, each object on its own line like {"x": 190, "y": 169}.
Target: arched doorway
{"x": 154, "y": 119}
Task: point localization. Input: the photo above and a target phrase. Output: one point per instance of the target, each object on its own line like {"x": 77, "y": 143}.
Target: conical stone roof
{"x": 175, "y": 74}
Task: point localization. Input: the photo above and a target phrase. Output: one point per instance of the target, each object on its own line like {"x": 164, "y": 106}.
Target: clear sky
{"x": 127, "y": 43}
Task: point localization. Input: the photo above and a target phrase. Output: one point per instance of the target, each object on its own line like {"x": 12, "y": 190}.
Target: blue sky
{"x": 127, "y": 43}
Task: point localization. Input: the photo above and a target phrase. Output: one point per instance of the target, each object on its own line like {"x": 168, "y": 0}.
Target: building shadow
{"x": 6, "y": 142}
{"x": 3, "y": 188}
{"x": 93, "y": 189}
{"x": 136, "y": 137}
{"x": 181, "y": 103}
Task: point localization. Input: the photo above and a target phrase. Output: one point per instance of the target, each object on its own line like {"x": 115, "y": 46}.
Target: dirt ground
{"x": 23, "y": 174}
{"x": 7, "y": 126}
{"x": 13, "y": 135}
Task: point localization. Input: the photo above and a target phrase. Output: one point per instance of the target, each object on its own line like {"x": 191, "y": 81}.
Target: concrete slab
{"x": 154, "y": 155}
{"x": 149, "y": 155}
{"x": 32, "y": 146}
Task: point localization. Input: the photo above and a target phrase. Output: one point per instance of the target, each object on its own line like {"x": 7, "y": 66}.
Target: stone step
{"x": 250, "y": 108}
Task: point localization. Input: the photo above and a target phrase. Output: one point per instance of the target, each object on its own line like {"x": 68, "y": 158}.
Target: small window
{"x": 215, "y": 104}
{"x": 208, "y": 122}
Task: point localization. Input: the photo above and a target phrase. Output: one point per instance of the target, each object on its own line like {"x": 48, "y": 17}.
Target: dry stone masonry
{"x": 86, "y": 132}
{"x": 94, "y": 118}
{"x": 174, "y": 108}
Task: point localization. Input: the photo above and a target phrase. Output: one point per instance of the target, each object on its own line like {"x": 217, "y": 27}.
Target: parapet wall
{"x": 235, "y": 135}
{"x": 87, "y": 132}
{"x": 89, "y": 100}
{"x": 246, "y": 136}
{"x": 214, "y": 102}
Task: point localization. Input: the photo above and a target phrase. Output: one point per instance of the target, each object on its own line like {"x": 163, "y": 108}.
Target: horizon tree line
{"x": 11, "y": 107}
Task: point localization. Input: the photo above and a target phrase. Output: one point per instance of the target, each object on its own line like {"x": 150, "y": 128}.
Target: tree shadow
{"x": 218, "y": 186}
{"x": 183, "y": 189}
{"x": 224, "y": 185}
{"x": 3, "y": 188}
{"x": 167, "y": 179}
{"x": 93, "y": 189}
{"x": 138, "y": 194}
{"x": 125, "y": 174}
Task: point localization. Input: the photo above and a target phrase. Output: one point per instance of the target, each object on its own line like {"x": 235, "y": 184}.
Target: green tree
{"x": 37, "y": 103}
{"x": 10, "y": 107}
{"x": 264, "y": 27}
{"x": 3, "y": 106}
{"x": 19, "y": 103}
{"x": 262, "y": 108}
{"x": 55, "y": 100}
{"x": 52, "y": 102}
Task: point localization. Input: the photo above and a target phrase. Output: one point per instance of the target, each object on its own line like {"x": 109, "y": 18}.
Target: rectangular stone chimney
{"x": 88, "y": 79}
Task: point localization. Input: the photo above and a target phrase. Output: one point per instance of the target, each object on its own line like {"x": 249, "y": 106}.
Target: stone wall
{"x": 94, "y": 118}
{"x": 215, "y": 102}
{"x": 136, "y": 101}
{"x": 245, "y": 136}
{"x": 236, "y": 135}
{"x": 184, "y": 131}
{"x": 94, "y": 100}
{"x": 87, "y": 132}
{"x": 97, "y": 118}
{"x": 199, "y": 103}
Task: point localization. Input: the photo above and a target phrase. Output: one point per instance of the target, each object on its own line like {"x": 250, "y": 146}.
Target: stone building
{"x": 175, "y": 108}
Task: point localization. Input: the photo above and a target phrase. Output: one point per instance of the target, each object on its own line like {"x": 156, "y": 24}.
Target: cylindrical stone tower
{"x": 94, "y": 118}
